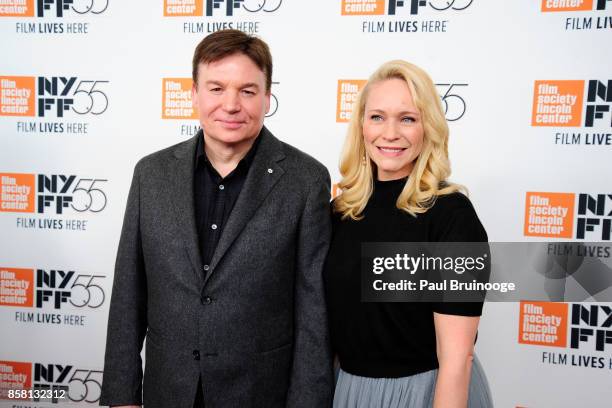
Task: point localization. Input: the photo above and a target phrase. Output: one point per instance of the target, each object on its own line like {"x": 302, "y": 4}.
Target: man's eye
{"x": 248, "y": 92}
{"x": 215, "y": 89}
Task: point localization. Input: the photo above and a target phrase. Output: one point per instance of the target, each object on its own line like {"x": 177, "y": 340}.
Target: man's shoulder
{"x": 160, "y": 157}
{"x": 304, "y": 163}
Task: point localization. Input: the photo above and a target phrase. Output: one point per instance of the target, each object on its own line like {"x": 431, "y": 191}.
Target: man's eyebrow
{"x": 242, "y": 86}
{"x": 250, "y": 85}
{"x": 213, "y": 82}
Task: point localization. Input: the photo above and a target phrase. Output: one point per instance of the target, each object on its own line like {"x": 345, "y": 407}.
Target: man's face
{"x": 231, "y": 99}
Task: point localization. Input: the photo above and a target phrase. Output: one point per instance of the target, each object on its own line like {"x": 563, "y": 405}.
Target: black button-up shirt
{"x": 215, "y": 197}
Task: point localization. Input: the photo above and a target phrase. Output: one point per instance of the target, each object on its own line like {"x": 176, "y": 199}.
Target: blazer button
{"x": 196, "y": 354}
{"x": 206, "y": 300}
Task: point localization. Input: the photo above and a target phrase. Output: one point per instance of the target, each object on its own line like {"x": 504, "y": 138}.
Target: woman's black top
{"x": 391, "y": 339}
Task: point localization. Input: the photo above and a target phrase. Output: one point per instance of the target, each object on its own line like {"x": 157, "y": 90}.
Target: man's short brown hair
{"x": 224, "y": 43}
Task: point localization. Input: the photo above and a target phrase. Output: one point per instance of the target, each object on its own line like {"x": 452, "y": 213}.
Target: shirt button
{"x": 196, "y": 354}
{"x": 214, "y": 226}
{"x": 221, "y": 186}
{"x": 206, "y": 267}
{"x": 206, "y": 300}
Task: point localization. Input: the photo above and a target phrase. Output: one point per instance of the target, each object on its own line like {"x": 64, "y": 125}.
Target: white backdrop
{"x": 107, "y": 61}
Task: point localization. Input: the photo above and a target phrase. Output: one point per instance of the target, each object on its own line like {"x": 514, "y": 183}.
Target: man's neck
{"x": 225, "y": 157}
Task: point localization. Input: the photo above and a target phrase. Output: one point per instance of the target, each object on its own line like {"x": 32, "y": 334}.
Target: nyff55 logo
{"x": 552, "y": 215}
{"x": 560, "y": 103}
{"x": 64, "y": 382}
{"x": 393, "y": 7}
{"x": 53, "y": 288}
{"x": 51, "y": 96}
{"x": 51, "y": 8}
{"x": 547, "y": 323}
{"x": 209, "y": 8}
{"x": 55, "y": 193}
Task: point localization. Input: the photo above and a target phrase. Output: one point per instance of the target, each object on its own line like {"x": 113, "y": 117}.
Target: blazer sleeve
{"x": 127, "y": 320}
{"x": 311, "y": 377}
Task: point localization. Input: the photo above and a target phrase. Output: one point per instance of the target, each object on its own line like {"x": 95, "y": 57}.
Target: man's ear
{"x": 194, "y": 95}
{"x": 268, "y": 94}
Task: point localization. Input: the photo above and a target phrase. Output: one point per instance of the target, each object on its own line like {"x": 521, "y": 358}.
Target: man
{"x": 220, "y": 258}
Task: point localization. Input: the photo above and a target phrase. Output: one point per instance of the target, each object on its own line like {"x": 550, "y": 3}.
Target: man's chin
{"x": 232, "y": 137}
{"x": 231, "y": 127}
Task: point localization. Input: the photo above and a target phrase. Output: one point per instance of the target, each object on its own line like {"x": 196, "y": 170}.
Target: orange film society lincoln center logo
{"x": 567, "y": 5}
{"x": 363, "y": 7}
{"x": 557, "y": 103}
{"x": 543, "y": 324}
{"x": 183, "y": 8}
{"x": 17, "y": 192}
{"x": 17, "y": 96}
{"x": 14, "y": 376}
{"x": 17, "y": 8}
{"x": 549, "y": 214}
{"x": 16, "y": 287}
{"x": 348, "y": 91}
{"x": 176, "y": 99}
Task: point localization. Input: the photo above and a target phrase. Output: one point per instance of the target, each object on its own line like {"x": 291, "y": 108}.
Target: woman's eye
{"x": 408, "y": 119}
{"x": 376, "y": 118}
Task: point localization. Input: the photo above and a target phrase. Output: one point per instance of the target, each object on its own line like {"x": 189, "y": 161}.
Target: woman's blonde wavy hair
{"x": 431, "y": 170}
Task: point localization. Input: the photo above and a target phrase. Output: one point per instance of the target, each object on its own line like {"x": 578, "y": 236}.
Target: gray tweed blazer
{"x": 252, "y": 325}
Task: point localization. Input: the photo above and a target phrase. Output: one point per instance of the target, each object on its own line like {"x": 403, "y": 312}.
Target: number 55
{"x": 93, "y": 199}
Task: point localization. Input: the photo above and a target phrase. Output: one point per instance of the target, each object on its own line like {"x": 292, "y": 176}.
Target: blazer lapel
{"x": 263, "y": 175}
{"x": 182, "y": 183}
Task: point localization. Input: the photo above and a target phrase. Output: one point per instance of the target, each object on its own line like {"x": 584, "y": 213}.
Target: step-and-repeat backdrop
{"x": 87, "y": 87}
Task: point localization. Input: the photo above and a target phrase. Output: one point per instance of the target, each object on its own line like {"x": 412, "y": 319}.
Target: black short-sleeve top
{"x": 391, "y": 339}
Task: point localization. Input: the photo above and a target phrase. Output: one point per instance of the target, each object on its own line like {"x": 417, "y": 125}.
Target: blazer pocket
{"x": 272, "y": 373}
{"x": 281, "y": 347}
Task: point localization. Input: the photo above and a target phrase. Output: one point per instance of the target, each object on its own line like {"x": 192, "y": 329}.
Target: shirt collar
{"x": 243, "y": 164}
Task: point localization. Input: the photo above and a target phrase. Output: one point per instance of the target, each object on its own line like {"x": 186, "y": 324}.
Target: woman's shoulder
{"x": 456, "y": 201}
{"x": 454, "y": 218}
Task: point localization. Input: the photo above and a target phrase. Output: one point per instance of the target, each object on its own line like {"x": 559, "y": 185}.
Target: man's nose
{"x": 231, "y": 102}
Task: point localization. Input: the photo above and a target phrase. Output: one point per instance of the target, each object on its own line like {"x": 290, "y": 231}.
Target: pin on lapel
{"x": 270, "y": 171}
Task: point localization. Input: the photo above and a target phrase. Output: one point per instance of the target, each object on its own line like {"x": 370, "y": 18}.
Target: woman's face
{"x": 392, "y": 129}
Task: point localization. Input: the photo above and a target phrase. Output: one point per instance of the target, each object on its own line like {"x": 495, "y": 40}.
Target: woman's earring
{"x": 363, "y": 160}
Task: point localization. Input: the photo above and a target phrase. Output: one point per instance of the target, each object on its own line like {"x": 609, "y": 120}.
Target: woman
{"x": 394, "y": 188}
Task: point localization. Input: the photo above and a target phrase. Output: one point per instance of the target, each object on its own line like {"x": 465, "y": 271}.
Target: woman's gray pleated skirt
{"x": 415, "y": 391}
